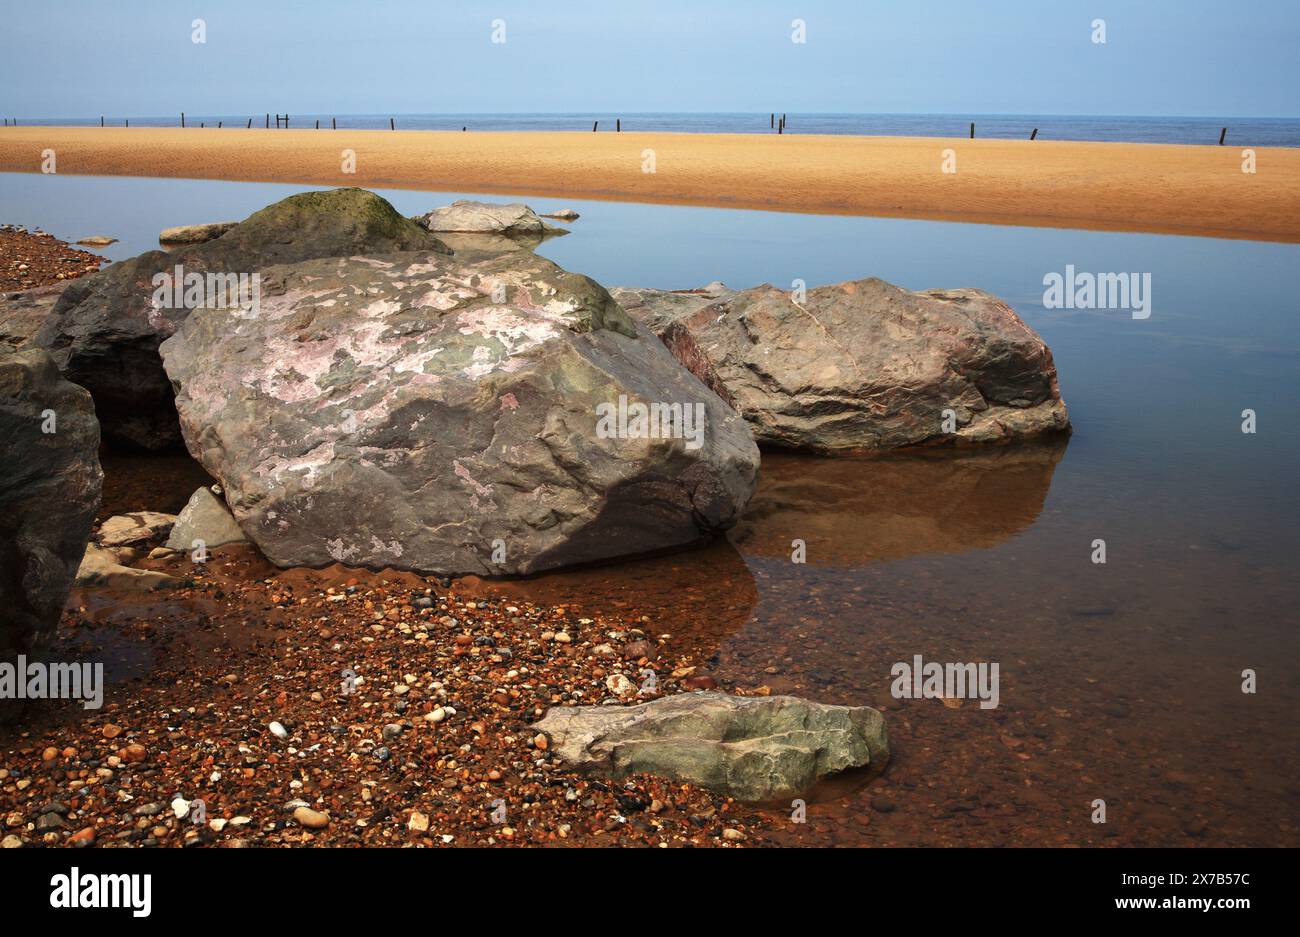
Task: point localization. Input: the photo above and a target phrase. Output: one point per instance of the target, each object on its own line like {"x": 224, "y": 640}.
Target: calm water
{"x": 1120, "y": 681}
{"x": 1242, "y": 131}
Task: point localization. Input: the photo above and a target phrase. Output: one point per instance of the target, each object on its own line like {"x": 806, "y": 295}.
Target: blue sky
{"x": 74, "y": 58}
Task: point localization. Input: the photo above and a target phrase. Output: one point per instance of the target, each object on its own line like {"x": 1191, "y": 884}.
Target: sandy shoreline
{"x": 1158, "y": 188}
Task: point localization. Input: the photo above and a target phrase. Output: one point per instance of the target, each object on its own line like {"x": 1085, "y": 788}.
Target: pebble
{"x": 278, "y": 730}
{"x": 111, "y": 731}
{"x": 11, "y": 842}
{"x": 418, "y": 822}
{"x": 311, "y": 819}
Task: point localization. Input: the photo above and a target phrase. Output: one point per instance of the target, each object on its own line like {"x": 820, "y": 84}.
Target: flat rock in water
{"x": 564, "y": 214}
{"x": 204, "y": 518}
{"x": 469, "y": 217}
{"x": 98, "y": 240}
{"x": 750, "y": 748}
{"x": 444, "y": 415}
{"x": 195, "y": 233}
{"x": 50, "y": 483}
{"x": 105, "y": 329}
{"x": 862, "y": 366}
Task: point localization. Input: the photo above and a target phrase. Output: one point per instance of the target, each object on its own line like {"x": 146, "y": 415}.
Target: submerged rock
{"x": 451, "y": 416}
{"x": 204, "y": 518}
{"x": 862, "y": 366}
{"x": 195, "y": 233}
{"x": 564, "y": 214}
{"x": 50, "y": 483}
{"x": 105, "y": 329}
{"x": 468, "y": 217}
{"x": 750, "y": 748}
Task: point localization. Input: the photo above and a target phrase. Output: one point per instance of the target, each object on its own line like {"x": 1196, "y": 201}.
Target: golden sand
{"x": 1199, "y": 190}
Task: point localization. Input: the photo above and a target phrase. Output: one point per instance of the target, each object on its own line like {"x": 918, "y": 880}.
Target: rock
{"x": 50, "y": 485}
{"x": 23, "y": 313}
{"x": 564, "y": 214}
{"x": 441, "y": 415}
{"x": 750, "y": 748}
{"x": 205, "y": 517}
{"x": 104, "y": 331}
{"x": 732, "y": 835}
{"x": 138, "y": 527}
{"x": 311, "y": 819}
{"x": 468, "y": 217}
{"x": 98, "y": 240}
{"x": 620, "y": 685}
{"x": 862, "y": 366}
{"x": 99, "y": 568}
{"x": 278, "y": 730}
{"x": 195, "y": 233}
{"x": 419, "y": 822}
{"x": 11, "y": 842}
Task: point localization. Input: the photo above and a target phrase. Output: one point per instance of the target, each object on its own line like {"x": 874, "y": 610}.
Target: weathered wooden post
{"x": 182, "y": 119}
{"x": 318, "y": 123}
{"x": 334, "y": 123}
{"x": 1034, "y": 134}
{"x": 771, "y": 121}
{"x": 594, "y": 125}
{"x": 250, "y": 124}
{"x": 391, "y": 124}
{"x": 1222, "y": 133}
{"x": 972, "y": 130}
{"x": 101, "y": 120}
{"x": 618, "y": 125}
{"x": 268, "y": 121}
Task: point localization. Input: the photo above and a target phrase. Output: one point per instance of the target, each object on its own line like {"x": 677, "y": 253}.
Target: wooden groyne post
{"x": 1222, "y": 134}
{"x": 972, "y": 130}
{"x": 182, "y": 118}
{"x": 594, "y": 125}
{"x": 334, "y": 123}
{"x": 618, "y": 125}
{"x": 391, "y": 124}
{"x": 1034, "y": 134}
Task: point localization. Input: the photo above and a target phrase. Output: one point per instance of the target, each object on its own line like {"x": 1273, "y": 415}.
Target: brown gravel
{"x": 431, "y": 735}
{"x": 34, "y": 258}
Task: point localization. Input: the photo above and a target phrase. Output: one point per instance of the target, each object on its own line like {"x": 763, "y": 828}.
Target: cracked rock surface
{"x": 862, "y": 366}
{"x": 750, "y": 748}
{"x": 440, "y": 414}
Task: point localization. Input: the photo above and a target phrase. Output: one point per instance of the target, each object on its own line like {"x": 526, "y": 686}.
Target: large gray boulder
{"x": 862, "y": 366}
{"x": 750, "y": 748}
{"x": 451, "y": 416}
{"x": 49, "y": 492}
{"x": 105, "y": 329}
{"x": 469, "y": 217}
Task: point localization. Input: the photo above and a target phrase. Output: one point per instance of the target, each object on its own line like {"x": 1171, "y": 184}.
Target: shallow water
{"x": 1120, "y": 681}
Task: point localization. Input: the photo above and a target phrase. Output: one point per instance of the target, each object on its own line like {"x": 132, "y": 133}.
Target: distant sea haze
{"x": 1242, "y": 131}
